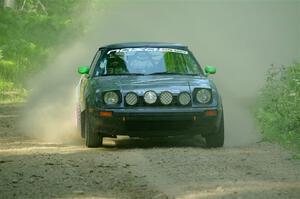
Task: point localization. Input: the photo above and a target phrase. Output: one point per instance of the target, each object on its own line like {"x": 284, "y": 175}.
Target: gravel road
{"x": 135, "y": 168}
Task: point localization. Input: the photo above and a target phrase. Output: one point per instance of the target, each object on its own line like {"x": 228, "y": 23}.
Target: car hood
{"x": 157, "y": 83}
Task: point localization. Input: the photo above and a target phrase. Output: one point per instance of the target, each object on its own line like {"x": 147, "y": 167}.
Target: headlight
{"x": 203, "y": 96}
{"x": 131, "y": 99}
{"x": 150, "y": 97}
{"x": 166, "y": 98}
{"x": 184, "y": 98}
{"x": 111, "y": 98}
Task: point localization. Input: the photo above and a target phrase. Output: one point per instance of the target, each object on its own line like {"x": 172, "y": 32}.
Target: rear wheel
{"x": 92, "y": 137}
{"x": 216, "y": 139}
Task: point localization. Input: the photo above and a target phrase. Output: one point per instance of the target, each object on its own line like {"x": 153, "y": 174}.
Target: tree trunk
{"x": 9, "y": 4}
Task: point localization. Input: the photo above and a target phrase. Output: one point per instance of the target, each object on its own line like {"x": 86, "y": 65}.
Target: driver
{"x": 116, "y": 65}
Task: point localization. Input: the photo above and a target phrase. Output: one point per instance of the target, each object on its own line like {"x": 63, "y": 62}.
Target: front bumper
{"x": 145, "y": 122}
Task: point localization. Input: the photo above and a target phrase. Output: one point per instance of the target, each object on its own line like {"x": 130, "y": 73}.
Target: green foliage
{"x": 11, "y": 93}
{"x": 279, "y": 105}
{"x": 31, "y": 32}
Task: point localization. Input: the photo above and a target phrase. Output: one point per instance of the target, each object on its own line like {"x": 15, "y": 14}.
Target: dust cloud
{"x": 240, "y": 38}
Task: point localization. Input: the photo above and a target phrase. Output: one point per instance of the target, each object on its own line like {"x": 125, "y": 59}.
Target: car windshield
{"x": 147, "y": 61}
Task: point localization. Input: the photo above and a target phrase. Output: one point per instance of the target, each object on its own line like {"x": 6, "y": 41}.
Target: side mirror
{"x": 83, "y": 70}
{"x": 210, "y": 69}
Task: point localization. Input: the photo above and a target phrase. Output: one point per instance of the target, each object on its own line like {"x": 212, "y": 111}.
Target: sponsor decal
{"x": 147, "y": 50}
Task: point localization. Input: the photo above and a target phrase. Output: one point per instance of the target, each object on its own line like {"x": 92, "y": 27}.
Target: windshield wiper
{"x": 133, "y": 74}
{"x": 171, "y": 73}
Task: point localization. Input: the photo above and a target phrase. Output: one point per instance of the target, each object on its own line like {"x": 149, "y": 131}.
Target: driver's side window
{"x": 94, "y": 62}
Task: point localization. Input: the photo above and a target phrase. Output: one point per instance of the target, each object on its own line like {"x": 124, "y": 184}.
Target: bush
{"x": 278, "y": 110}
{"x": 11, "y": 93}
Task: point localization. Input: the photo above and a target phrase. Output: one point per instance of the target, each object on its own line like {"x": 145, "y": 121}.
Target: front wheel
{"x": 217, "y": 138}
{"x": 92, "y": 137}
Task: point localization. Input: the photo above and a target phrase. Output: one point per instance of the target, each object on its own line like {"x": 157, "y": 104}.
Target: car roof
{"x": 145, "y": 45}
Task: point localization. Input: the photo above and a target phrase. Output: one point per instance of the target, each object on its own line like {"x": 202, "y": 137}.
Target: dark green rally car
{"x": 148, "y": 90}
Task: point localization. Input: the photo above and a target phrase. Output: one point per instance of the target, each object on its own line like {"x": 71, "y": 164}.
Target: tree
{"x": 9, "y": 4}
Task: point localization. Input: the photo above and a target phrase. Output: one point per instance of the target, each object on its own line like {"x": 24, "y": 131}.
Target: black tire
{"x": 216, "y": 139}
{"x": 93, "y": 138}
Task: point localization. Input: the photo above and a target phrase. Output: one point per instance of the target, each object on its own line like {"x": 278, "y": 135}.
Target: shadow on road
{"x": 124, "y": 142}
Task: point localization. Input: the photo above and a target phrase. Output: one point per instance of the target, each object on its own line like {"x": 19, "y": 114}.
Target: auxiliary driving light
{"x": 184, "y": 98}
{"x": 150, "y": 97}
{"x": 131, "y": 99}
{"x": 166, "y": 98}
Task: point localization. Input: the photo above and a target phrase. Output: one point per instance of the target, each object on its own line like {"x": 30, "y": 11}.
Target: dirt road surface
{"x": 133, "y": 168}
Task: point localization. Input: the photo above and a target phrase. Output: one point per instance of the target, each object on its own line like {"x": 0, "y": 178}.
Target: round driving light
{"x": 131, "y": 99}
{"x": 166, "y": 98}
{"x": 184, "y": 98}
{"x": 203, "y": 96}
{"x": 111, "y": 98}
{"x": 150, "y": 97}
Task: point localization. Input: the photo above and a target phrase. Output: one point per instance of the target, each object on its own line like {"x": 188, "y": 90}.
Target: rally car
{"x": 148, "y": 90}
